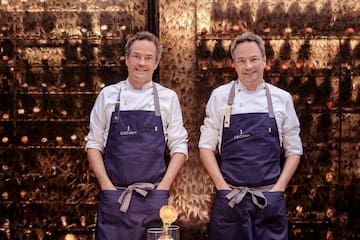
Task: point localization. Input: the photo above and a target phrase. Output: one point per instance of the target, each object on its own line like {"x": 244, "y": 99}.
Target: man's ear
{"x": 157, "y": 65}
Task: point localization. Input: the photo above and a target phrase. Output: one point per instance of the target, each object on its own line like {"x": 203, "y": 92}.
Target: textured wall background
{"x": 192, "y": 189}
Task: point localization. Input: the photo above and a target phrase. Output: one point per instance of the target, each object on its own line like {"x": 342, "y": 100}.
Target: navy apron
{"x": 250, "y": 164}
{"x": 135, "y": 162}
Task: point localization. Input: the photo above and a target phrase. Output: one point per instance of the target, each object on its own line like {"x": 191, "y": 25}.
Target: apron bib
{"x": 135, "y": 162}
{"x": 250, "y": 161}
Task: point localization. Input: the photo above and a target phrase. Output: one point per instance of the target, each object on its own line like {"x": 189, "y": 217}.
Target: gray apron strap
{"x": 229, "y": 106}
{"x": 125, "y": 197}
{"x": 117, "y": 109}
{"x": 117, "y": 105}
{"x": 269, "y": 102}
{"x": 156, "y": 101}
{"x": 238, "y": 193}
{"x": 231, "y": 95}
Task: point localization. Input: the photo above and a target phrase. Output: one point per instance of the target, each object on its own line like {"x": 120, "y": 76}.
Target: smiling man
{"x": 131, "y": 124}
{"x": 248, "y": 121}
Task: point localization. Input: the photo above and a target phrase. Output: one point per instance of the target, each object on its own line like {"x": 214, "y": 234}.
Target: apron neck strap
{"x": 117, "y": 108}
{"x": 231, "y": 95}
{"x": 229, "y": 106}
{"x": 269, "y": 102}
{"x": 156, "y": 101}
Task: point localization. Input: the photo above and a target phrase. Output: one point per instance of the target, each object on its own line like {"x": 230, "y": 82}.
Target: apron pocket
{"x": 274, "y": 216}
{"x": 154, "y": 201}
{"x": 221, "y": 211}
{"x": 109, "y": 207}
{"x": 275, "y": 212}
{"x": 225, "y": 222}
{"x": 151, "y": 138}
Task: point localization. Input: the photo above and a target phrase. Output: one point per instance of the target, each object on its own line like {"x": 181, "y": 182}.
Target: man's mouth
{"x": 248, "y": 73}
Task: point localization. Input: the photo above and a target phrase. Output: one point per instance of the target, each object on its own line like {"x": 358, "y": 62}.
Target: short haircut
{"x": 144, "y": 35}
{"x": 248, "y": 37}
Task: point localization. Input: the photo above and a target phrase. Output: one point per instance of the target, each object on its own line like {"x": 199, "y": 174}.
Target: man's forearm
{"x": 96, "y": 162}
{"x": 176, "y": 162}
{"x": 290, "y": 166}
{"x": 212, "y": 167}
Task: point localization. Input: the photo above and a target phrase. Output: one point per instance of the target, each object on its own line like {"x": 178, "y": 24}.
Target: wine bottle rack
{"x": 318, "y": 62}
{"x": 55, "y": 57}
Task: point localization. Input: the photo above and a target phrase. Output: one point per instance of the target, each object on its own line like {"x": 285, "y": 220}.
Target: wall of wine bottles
{"x": 313, "y": 51}
{"x": 55, "y": 56}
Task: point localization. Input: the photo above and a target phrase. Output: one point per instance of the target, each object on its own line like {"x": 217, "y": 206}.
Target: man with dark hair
{"x": 248, "y": 121}
{"x": 131, "y": 124}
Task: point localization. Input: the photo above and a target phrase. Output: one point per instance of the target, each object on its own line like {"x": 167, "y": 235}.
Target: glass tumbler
{"x": 158, "y": 233}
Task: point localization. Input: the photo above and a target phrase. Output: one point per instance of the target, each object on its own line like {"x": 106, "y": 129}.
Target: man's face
{"x": 141, "y": 62}
{"x": 249, "y": 64}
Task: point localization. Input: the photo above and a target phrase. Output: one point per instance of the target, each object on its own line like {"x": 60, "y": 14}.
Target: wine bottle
{"x": 219, "y": 54}
{"x": 3, "y": 235}
{"x": 203, "y": 52}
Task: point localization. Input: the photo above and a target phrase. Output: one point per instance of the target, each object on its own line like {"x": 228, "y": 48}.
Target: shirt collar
{"x": 240, "y": 86}
{"x": 146, "y": 85}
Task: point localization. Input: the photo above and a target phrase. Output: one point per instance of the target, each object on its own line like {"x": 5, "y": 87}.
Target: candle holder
{"x": 168, "y": 215}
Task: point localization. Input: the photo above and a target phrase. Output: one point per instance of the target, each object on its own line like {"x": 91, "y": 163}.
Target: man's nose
{"x": 248, "y": 63}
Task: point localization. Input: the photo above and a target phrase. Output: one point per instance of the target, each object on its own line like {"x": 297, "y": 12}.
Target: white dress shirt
{"x": 246, "y": 101}
{"x": 138, "y": 99}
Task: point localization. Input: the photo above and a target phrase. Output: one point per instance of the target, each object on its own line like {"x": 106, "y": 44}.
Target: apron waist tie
{"x": 238, "y": 193}
{"x": 126, "y": 195}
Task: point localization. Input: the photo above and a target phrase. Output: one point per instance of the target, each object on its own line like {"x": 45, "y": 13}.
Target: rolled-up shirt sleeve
{"x": 97, "y": 127}
{"x": 291, "y": 131}
{"x": 176, "y": 134}
{"x": 210, "y": 130}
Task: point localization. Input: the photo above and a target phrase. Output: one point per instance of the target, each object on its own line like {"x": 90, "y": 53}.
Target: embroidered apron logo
{"x": 241, "y": 135}
{"x": 128, "y": 132}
